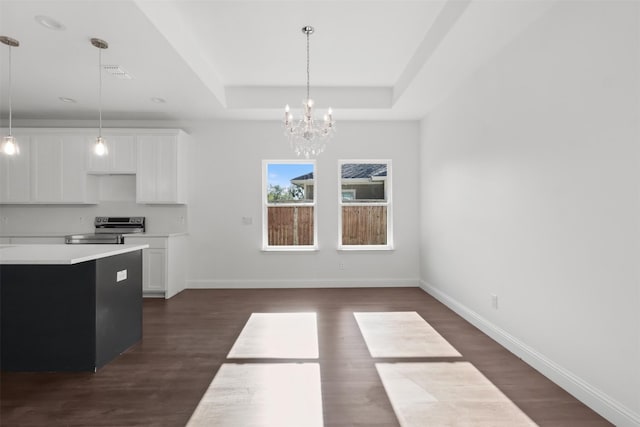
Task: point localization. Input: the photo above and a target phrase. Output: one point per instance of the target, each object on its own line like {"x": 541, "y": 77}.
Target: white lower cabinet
{"x": 164, "y": 272}
{"x": 154, "y": 267}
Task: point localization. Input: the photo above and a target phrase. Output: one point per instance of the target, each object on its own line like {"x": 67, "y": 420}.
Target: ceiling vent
{"x": 117, "y": 71}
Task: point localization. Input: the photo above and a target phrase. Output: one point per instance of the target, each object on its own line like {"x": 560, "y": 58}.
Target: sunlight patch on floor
{"x": 278, "y": 335}
{"x": 402, "y": 334}
{"x": 447, "y": 394}
{"x": 262, "y": 395}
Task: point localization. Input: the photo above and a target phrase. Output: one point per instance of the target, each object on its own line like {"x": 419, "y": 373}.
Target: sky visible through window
{"x": 282, "y": 173}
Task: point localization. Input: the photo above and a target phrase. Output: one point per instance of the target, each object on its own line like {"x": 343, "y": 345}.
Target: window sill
{"x": 387, "y": 248}
{"x": 290, "y": 249}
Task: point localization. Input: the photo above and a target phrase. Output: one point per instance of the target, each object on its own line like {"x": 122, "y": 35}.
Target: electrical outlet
{"x": 494, "y": 301}
{"x": 341, "y": 266}
{"x": 247, "y": 220}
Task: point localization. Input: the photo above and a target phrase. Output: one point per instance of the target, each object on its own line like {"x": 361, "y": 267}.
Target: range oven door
{"x": 94, "y": 239}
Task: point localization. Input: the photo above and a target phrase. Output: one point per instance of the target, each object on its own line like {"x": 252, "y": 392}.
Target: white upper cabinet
{"x": 161, "y": 175}
{"x": 77, "y": 186}
{"x": 121, "y": 158}
{"x": 46, "y": 159}
{"x": 58, "y": 170}
{"x": 15, "y": 173}
{"x": 58, "y": 166}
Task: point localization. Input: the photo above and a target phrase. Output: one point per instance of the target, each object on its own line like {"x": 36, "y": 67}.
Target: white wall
{"x": 225, "y": 186}
{"x": 529, "y": 190}
{"x": 226, "y": 177}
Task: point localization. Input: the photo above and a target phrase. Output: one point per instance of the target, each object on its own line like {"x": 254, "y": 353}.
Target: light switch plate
{"x": 121, "y": 275}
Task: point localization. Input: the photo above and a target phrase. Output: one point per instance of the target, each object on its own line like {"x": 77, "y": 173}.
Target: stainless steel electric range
{"x": 109, "y": 230}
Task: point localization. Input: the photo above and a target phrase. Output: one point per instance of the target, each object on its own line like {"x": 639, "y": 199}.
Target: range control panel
{"x": 120, "y": 224}
{"x": 118, "y": 220}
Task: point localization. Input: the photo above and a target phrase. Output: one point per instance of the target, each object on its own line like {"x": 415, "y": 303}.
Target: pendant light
{"x": 100, "y": 147}
{"x": 9, "y": 145}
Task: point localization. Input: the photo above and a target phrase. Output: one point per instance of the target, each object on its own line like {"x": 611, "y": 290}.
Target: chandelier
{"x": 308, "y": 136}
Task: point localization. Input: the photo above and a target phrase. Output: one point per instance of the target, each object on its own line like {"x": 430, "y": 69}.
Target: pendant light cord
{"x": 10, "y": 87}
{"x": 100, "y": 91}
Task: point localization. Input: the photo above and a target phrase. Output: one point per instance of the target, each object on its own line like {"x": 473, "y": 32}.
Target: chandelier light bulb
{"x": 287, "y": 116}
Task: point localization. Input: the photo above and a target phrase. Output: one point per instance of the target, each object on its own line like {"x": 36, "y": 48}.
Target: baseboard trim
{"x": 300, "y": 283}
{"x": 602, "y": 403}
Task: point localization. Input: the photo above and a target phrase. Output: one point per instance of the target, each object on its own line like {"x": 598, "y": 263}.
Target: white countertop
{"x": 61, "y": 254}
{"x": 146, "y": 234}
{"x": 38, "y": 234}
{"x": 62, "y": 235}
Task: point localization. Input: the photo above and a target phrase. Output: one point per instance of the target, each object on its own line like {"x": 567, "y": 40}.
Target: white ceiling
{"x": 239, "y": 59}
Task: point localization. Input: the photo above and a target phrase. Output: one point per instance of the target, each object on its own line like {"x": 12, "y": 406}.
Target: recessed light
{"x": 158, "y": 100}
{"x": 69, "y": 100}
{"x": 49, "y": 23}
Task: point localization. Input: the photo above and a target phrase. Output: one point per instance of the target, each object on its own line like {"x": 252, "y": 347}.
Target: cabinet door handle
{"x": 121, "y": 275}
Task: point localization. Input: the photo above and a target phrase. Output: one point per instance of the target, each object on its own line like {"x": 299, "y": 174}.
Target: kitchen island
{"x": 68, "y": 307}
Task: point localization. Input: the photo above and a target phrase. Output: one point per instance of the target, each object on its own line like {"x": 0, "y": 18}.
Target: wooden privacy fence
{"x": 290, "y": 225}
{"x": 364, "y": 225}
{"x": 361, "y": 225}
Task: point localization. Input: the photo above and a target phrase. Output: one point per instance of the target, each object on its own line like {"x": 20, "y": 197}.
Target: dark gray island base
{"x": 74, "y": 317}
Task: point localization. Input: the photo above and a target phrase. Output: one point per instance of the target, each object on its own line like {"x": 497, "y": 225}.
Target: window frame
{"x": 388, "y": 202}
{"x": 265, "y": 207}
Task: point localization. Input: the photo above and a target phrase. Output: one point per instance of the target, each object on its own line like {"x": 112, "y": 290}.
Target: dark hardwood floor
{"x": 160, "y": 381}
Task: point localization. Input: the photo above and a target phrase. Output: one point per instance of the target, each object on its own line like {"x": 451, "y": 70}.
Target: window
{"x": 365, "y": 204}
{"x": 288, "y": 198}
